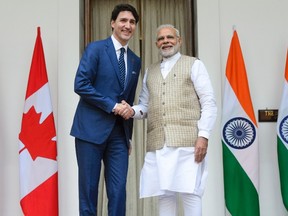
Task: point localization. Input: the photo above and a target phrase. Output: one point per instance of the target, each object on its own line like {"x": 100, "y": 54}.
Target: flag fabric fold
{"x": 239, "y": 138}
{"x": 282, "y": 139}
{"x": 37, "y": 143}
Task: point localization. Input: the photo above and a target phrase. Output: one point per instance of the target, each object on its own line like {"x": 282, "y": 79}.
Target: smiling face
{"x": 168, "y": 42}
{"x": 124, "y": 27}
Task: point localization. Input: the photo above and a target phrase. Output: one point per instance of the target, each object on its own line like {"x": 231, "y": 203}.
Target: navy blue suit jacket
{"x": 97, "y": 82}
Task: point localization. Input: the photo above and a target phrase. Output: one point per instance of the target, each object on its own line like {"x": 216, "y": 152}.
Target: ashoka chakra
{"x": 283, "y": 128}
{"x": 239, "y": 133}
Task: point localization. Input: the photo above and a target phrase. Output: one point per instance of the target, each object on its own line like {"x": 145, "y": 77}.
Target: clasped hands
{"x": 124, "y": 110}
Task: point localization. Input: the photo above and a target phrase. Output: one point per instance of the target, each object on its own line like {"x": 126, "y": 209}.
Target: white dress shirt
{"x": 118, "y": 46}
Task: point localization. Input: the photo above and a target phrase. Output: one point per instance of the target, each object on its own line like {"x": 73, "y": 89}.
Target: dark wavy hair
{"x": 124, "y": 7}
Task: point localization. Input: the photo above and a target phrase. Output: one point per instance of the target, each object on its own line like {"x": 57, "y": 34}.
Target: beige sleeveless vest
{"x": 174, "y": 107}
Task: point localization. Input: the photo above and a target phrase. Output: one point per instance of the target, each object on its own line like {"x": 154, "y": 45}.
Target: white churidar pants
{"x": 168, "y": 205}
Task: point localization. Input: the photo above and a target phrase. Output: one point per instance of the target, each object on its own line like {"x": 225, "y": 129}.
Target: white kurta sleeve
{"x": 203, "y": 87}
{"x": 141, "y": 108}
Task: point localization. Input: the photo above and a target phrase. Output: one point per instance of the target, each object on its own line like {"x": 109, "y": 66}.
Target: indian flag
{"x": 282, "y": 139}
{"x": 239, "y": 138}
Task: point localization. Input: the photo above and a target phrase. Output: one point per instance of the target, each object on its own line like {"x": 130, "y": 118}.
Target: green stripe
{"x": 283, "y": 170}
{"x": 241, "y": 197}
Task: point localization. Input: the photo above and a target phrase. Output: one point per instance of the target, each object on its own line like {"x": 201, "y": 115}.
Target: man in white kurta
{"x": 175, "y": 168}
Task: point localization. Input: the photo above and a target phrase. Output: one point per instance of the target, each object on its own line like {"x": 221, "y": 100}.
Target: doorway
{"x": 152, "y": 13}
{"x": 180, "y": 13}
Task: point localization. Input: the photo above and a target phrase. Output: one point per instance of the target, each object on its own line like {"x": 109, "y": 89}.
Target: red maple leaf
{"x": 37, "y": 137}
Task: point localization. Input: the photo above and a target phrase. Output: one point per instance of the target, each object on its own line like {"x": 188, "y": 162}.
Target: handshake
{"x": 124, "y": 110}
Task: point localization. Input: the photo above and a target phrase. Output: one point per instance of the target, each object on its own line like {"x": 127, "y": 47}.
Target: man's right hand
{"x": 124, "y": 110}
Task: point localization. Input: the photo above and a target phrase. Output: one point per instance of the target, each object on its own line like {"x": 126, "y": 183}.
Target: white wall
{"x": 209, "y": 52}
{"x": 68, "y": 59}
{"x": 263, "y": 33}
{"x": 59, "y": 22}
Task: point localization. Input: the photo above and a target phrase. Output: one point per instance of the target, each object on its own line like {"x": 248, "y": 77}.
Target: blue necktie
{"x": 122, "y": 67}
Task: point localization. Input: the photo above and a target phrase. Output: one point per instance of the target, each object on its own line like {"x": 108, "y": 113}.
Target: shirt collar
{"x": 117, "y": 44}
{"x": 172, "y": 58}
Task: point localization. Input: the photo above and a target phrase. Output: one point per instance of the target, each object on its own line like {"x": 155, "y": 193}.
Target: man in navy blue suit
{"x": 100, "y": 134}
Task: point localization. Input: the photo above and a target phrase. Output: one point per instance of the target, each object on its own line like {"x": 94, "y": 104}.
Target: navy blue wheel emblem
{"x": 239, "y": 133}
{"x": 283, "y": 129}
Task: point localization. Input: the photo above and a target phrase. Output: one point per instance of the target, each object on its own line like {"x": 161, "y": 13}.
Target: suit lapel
{"x": 130, "y": 66}
{"x": 113, "y": 57}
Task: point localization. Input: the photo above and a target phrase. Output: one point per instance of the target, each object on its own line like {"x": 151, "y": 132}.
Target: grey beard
{"x": 168, "y": 54}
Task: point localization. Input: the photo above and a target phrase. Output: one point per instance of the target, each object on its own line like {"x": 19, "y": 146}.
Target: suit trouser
{"x": 168, "y": 205}
{"x": 114, "y": 154}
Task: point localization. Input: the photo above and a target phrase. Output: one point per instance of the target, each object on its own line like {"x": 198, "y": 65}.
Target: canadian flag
{"x": 37, "y": 143}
